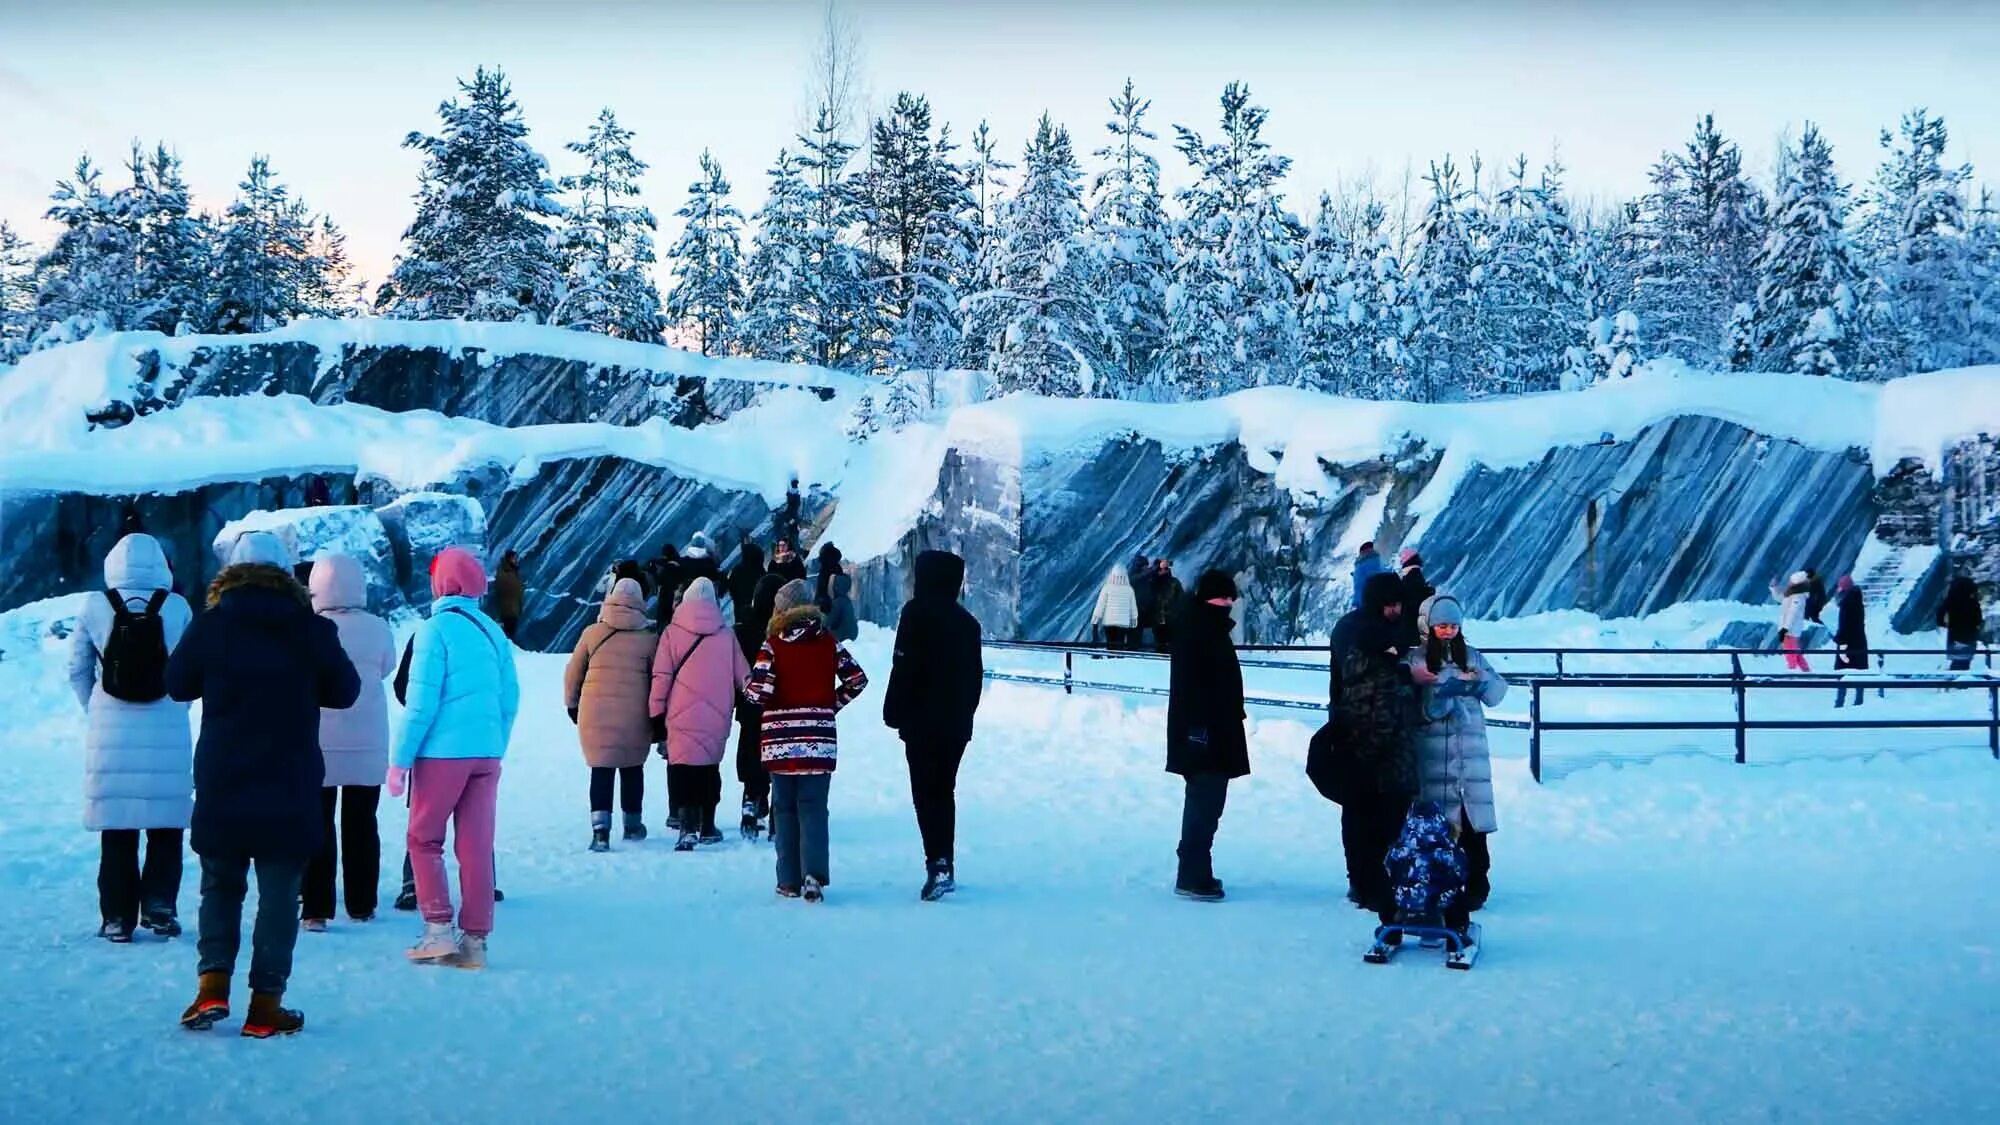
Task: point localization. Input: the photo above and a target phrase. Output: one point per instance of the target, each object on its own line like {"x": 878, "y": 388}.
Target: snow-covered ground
{"x": 1689, "y": 941}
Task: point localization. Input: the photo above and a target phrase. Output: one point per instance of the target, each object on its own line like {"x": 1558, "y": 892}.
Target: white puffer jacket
{"x": 1117, "y": 607}
{"x": 138, "y": 760}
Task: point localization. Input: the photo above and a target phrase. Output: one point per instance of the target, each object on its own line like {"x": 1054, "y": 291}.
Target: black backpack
{"x": 135, "y": 655}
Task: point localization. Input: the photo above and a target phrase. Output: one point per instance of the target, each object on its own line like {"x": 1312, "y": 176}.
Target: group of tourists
{"x": 1136, "y": 600}
{"x": 1802, "y": 603}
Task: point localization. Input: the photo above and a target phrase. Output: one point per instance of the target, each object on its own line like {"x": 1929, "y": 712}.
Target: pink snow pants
{"x": 463, "y": 792}
{"x": 1794, "y": 659}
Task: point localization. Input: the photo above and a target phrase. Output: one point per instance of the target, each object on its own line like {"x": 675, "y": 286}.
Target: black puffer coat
{"x": 1205, "y": 696}
{"x": 938, "y": 675}
{"x": 1850, "y": 636}
{"x": 1371, "y": 697}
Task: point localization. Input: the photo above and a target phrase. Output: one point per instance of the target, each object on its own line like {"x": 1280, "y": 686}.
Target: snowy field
{"x": 1686, "y": 941}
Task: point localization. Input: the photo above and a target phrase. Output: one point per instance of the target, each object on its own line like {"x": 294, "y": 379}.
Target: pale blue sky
{"x": 329, "y": 90}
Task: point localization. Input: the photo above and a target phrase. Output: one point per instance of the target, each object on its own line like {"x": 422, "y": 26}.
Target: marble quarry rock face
{"x": 421, "y": 525}
{"x": 309, "y": 533}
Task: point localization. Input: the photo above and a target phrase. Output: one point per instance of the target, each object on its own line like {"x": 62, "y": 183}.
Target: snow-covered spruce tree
{"x": 266, "y": 269}
{"x": 1915, "y": 234}
{"x": 1608, "y": 344}
{"x": 331, "y": 289}
{"x": 606, "y": 241}
{"x": 1333, "y": 316}
{"x": 708, "y": 288}
{"x": 1233, "y": 212}
{"x": 918, "y": 210}
{"x": 1983, "y": 254}
{"x": 843, "y": 326}
{"x": 1039, "y": 319}
{"x": 479, "y": 247}
{"x": 1128, "y": 222}
{"x": 1806, "y": 274}
{"x": 1530, "y": 305}
{"x": 171, "y": 244}
{"x": 87, "y": 282}
{"x": 1725, "y": 216}
{"x": 1674, "y": 290}
{"x": 1445, "y": 354}
{"x": 773, "y": 323}
{"x": 17, "y": 293}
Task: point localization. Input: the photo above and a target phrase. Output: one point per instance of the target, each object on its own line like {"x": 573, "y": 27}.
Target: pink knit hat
{"x": 1409, "y": 556}
{"x": 455, "y": 571}
{"x": 1845, "y": 584}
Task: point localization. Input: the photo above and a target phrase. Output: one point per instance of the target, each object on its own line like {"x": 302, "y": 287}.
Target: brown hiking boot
{"x": 211, "y": 1003}
{"x": 268, "y": 1018}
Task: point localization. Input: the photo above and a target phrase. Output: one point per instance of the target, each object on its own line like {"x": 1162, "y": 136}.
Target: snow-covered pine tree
{"x": 606, "y": 241}
{"x": 1445, "y": 356}
{"x": 1806, "y": 274}
{"x": 773, "y": 323}
{"x": 479, "y": 247}
{"x": 171, "y": 244}
{"x": 917, "y": 209}
{"x": 17, "y": 293}
{"x": 985, "y": 176}
{"x": 708, "y": 290}
{"x": 87, "y": 282}
{"x": 1674, "y": 290}
{"x": 1726, "y": 216}
{"x": 843, "y": 326}
{"x": 1983, "y": 254}
{"x": 1128, "y": 222}
{"x": 265, "y": 270}
{"x": 1915, "y": 235}
{"x": 331, "y": 289}
{"x": 1529, "y": 306}
{"x": 1333, "y": 316}
{"x": 1199, "y": 358}
{"x": 1039, "y": 319}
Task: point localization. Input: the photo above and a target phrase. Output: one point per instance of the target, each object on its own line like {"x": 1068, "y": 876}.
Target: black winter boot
{"x": 600, "y": 832}
{"x": 635, "y": 826}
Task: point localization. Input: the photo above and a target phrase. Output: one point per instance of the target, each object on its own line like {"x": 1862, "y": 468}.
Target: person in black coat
{"x": 263, "y": 664}
{"x": 1816, "y": 599}
{"x": 1416, "y": 590}
{"x": 752, "y": 622}
{"x": 743, "y": 578}
{"x": 1962, "y": 620}
{"x": 826, "y": 567}
{"x": 786, "y": 562}
{"x": 1206, "y": 743}
{"x": 1850, "y": 637}
{"x": 1140, "y": 574}
{"x": 1372, "y": 704}
{"x": 934, "y": 688}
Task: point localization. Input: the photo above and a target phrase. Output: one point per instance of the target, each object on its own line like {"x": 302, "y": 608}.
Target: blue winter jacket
{"x": 1426, "y": 866}
{"x": 463, "y": 693}
{"x": 1365, "y": 567}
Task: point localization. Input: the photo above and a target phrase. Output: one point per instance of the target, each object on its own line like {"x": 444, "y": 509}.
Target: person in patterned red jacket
{"x": 802, "y": 678}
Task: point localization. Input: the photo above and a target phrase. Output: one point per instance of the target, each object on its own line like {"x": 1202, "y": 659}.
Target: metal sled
{"x": 1460, "y": 953}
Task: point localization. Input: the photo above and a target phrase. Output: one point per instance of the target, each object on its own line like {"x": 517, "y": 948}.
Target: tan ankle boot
{"x": 211, "y": 1003}
{"x": 269, "y": 1018}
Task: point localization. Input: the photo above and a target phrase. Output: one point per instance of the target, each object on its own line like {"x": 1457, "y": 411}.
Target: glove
{"x": 397, "y": 781}
{"x": 659, "y": 728}
{"x": 572, "y": 716}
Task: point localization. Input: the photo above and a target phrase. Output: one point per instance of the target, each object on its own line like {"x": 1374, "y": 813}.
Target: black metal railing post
{"x": 1069, "y": 672}
{"x": 1993, "y": 713}
{"x": 1559, "y": 662}
{"x": 1535, "y": 730}
{"x": 1742, "y": 732}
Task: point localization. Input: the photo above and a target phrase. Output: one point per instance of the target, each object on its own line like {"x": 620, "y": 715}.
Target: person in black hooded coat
{"x": 752, "y": 622}
{"x": 743, "y": 579}
{"x": 1962, "y": 621}
{"x": 1372, "y": 704}
{"x": 934, "y": 688}
{"x": 1206, "y": 743}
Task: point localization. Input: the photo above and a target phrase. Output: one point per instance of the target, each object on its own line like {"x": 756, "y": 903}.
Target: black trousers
{"x": 934, "y": 792}
{"x": 225, "y": 880}
{"x": 1163, "y": 636}
{"x": 698, "y": 788}
{"x": 1201, "y": 815}
{"x": 631, "y": 781}
{"x": 1478, "y": 866}
{"x": 124, "y": 888}
{"x": 356, "y": 835}
{"x": 508, "y": 625}
{"x": 750, "y": 758}
{"x": 1369, "y": 825}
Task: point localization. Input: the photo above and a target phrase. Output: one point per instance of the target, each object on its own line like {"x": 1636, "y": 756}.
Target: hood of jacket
{"x": 338, "y": 583}
{"x": 842, "y": 585}
{"x": 1381, "y": 591}
{"x": 939, "y": 574}
{"x": 698, "y": 612}
{"x": 624, "y": 608}
{"x": 751, "y": 556}
{"x": 136, "y": 562}
{"x": 796, "y": 622}
{"x": 258, "y": 585}
{"x": 1118, "y": 578}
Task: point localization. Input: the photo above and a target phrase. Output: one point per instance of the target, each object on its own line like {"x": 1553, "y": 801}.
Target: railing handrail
{"x": 1105, "y": 650}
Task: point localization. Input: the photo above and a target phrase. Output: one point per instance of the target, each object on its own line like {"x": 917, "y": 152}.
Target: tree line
{"x": 918, "y": 252}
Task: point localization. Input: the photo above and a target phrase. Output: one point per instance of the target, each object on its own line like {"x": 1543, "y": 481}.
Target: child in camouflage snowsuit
{"x": 1427, "y": 869}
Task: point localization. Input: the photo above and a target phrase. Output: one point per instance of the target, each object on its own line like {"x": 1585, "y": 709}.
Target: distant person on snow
{"x": 1117, "y": 611}
{"x": 458, "y": 716}
{"x": 1367, "y": 564}
{"x": 826, "y": 567}
{"x": 786, "y": 524}
{"x": 138, "y": 762}
{"x": 1962, "y": 620}
{"x": 1792, "y": 619}
{"x": 1164, "y": 601}
{"x": 354, "y": 741}
{"x": 698, "y": 560}
{"x": 934, "y": 689}
{"x": 1455, "y": 685}
{"x": 1206, "y": 743}
{"x": 698, "y": 673}
{"x": 318, "y": 495}
{"x": 1816, "y": 599}
{"x": 1140, "y": 574}
{"x": 743, "y": 578}
{"x": 263, "y": 666}
{"x": 1416, "y": 591}
{"x": 750, "y": 771}
{"x": 841, "y": 617}
{"x": 605, "y": 687}
{"x": 802, "y": 678}
{"x": 1371, "y": 699}
{"x": 507, "y": 595}
{"x": 786, "y": 563}
{"x": 1850, "y": 637}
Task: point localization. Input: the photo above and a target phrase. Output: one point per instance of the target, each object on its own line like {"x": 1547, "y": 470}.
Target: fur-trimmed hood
{"x": 797, "y": 622}
{"x": 257, "y": 576}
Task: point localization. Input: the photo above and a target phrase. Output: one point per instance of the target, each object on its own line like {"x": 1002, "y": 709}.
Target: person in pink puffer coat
{"x": 355, "y": 745}
{"x": 698, "y": 672}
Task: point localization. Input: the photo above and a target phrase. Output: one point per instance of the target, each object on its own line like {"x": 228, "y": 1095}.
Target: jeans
{"x": 124, "y": 889}
{"x": 631, "y": 782}
{"x": 933, "y": 790}
{"x": 361, "y": 841}
{"x": 1201, "y": 815}
{"x": 224, "y": 882}
{"x": 698, "y": 788}
{"x": 461, "y": 792}
{"x": 798, "y": 821}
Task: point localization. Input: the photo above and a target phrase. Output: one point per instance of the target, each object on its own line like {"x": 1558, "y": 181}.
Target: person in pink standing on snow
{"x": 698, "y": 672}
{"x": 1792, "y": 619}
{"x": 458, "y": 715}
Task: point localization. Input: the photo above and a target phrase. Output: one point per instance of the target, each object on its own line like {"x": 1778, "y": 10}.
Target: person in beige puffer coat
{"x": 606, "y": 685}
{"x": 354, "y": 743}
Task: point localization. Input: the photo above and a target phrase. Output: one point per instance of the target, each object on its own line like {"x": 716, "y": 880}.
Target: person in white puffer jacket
{"x": 354, "y": 743}
{"x": 138, "y": 756}
{"x": 1117, "y": 611}
{"x": 1792, "y": 618}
